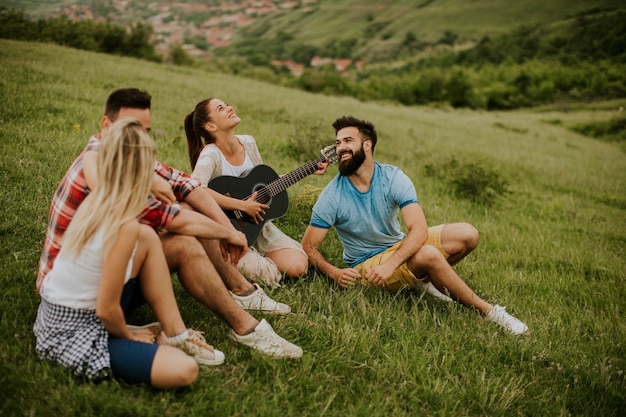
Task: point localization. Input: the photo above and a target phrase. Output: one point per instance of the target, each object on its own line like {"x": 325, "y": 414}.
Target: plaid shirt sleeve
{"x": 181, "y": 183}
{"x": 157, "y": 214}
{"x": 71, "y": 191}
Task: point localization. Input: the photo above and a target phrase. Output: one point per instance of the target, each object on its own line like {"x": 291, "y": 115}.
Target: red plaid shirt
{"x": 73, "y": 189}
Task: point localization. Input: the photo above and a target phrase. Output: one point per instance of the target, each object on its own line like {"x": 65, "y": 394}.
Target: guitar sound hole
{"x": 262, "y": 197}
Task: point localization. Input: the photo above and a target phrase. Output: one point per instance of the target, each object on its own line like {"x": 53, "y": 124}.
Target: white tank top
{"x": 236, "y": 170}
{"x": 75, "y": 282}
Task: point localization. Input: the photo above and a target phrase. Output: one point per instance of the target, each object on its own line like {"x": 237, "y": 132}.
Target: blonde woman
{"x": 215, "y": 150}
{"x": 80, "y": 322}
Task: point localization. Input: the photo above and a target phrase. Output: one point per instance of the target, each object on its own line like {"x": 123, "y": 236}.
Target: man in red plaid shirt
{"x": 198, "y": 239}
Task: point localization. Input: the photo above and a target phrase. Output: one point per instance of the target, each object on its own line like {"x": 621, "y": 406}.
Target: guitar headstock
{"x": 330, "y": 152}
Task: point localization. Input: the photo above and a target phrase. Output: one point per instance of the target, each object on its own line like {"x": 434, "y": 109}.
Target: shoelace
{"x": 271, "y": 337}
{"x": 265, "y": 299}
{"x": 197, "y": 338}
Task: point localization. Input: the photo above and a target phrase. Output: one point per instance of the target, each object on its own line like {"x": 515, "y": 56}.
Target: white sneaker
{"x": 499, "y": 315}
{"x": 429, "y": 288}
{"x": 195, "y": 346}
{"x": 265, "y": 339}
{"x": 259, "y": 301}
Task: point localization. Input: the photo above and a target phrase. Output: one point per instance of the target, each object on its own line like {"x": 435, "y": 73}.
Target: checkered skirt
{"x": 75, "y": 338}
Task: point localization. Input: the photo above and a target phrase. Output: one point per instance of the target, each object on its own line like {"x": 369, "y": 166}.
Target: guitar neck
{"x": 281, "y": 184}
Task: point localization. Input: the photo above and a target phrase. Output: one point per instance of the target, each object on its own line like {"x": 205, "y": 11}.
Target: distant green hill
{"x": 485, "y": 54}
{"x": 374, "y": 27}
{"x": 365, "y": 29}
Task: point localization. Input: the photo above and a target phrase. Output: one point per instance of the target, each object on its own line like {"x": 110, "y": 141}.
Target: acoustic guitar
{"x": 271, "y": 190}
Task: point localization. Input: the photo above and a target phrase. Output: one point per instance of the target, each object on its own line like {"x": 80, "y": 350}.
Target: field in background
{"x": 550, "y": 205}
{"x": 377, "y": 25}
{"x": 385, "y": 23}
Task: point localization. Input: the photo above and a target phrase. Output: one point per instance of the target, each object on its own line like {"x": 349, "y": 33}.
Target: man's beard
{"x": 349, "y": 167}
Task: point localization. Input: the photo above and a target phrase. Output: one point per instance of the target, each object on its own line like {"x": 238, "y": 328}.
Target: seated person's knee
{"x": 188, "y": 372}
{"x": 470, "y": 235}
{"x": 430, "y": 255}
{"x": 297, "y": 269}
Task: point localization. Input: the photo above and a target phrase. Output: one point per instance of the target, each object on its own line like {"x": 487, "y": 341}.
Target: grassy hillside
{"x": 376, "y": 25}
{"x": 371, "y": 27}
{"x": 550, "y": 205}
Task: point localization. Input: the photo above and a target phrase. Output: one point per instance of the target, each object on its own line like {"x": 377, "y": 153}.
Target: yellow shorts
{"x": 402, "y": 277}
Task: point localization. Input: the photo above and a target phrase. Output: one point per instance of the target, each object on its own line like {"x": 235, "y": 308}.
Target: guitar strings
{"x": 275, "y": 187}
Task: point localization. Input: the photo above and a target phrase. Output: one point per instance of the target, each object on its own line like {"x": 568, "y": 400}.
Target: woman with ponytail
{"x": 215, "y": 150}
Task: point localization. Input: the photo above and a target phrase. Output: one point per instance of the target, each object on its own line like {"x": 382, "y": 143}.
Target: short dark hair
{"x": 132, "y": 98}
{"x": 366, "y": 129}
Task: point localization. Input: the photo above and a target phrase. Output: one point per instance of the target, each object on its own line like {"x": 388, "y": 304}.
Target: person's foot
{"x": 499, "y": 315}
{"x": 265, "y": 340}
{"x": 429, "y": 288}
{"x": 259, "y": 301}
{"x": 152, "y": 328}
{"x": 195, "y": 346}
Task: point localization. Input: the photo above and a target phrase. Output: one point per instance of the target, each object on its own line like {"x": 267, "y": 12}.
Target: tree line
{"x": 89, "y": 35}
{"x": 530, "y": 66}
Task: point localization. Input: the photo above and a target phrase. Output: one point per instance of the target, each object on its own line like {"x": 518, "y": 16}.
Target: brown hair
{"x": 366, "y": 129}
{"x": 195, "y": 131}
{"x": 132, "y": 98}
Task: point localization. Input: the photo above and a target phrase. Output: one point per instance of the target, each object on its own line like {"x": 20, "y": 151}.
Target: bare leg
{"x": 172, "y": 368}
{"x": 197, "y": 274}
{"x": 458, "y": 240}
{"x": 156, "y": 285}
{"x": 428, "y": 260}
{"x": 290, "y": 261}
{"x": 229, "y": 274}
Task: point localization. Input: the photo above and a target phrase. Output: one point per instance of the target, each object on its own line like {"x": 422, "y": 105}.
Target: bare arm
{"x": 415, "y": 222}
{"x": 89, "y": 168}
{"x": 162, "y": 189}
{"x": 108, "y": 307}
{"x": 201, "y": 200}
{"x": 191, "y": 223}
{"x": 312, "y": 239}
{"x": 252, "y": 208}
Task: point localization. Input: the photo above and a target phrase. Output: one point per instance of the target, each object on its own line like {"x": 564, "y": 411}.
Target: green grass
{"x": 553, "y": 250}
{"x": 337, "y": 20}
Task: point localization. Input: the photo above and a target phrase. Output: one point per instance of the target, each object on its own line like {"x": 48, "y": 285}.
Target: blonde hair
{"x": 125, "y": 167}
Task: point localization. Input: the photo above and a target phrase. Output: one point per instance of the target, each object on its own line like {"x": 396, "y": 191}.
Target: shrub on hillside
{"x": 325, "y": 79}
{"x": 307, "y": 141}
{"x": 613, "y": 130}
{"x": 474, "y": 181}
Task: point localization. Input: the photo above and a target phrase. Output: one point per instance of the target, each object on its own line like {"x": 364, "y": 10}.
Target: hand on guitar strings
{"x": 254, "y": 209}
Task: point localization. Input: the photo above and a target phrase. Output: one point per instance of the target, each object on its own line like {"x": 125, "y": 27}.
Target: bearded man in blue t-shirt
{"x": 363, "y": 203}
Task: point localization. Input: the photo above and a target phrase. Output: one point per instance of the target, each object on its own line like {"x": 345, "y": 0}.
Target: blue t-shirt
{"x": 366, "y": 223}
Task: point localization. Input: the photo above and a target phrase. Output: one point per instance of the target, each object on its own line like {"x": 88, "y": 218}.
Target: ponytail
{"x": 194, "y": 142}
{"x": 194, "y": 129}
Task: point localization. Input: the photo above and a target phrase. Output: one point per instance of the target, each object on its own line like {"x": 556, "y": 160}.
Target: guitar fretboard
{"x": 281, "y": 184}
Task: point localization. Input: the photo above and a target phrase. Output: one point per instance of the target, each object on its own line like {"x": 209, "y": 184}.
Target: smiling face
{"x": 222, "y": 116}
{"x": 350, "y": 149}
